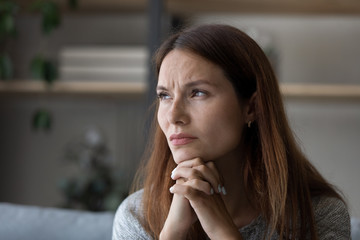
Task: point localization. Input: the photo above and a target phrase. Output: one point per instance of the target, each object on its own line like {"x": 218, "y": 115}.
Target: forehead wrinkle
{"x": 181, "y": 72}
{"x": 174, "y": 73}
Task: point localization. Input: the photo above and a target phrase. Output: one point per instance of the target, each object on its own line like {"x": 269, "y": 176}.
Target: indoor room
{"x": 77, "y": 87}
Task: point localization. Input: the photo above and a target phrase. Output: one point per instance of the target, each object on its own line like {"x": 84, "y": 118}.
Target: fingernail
{"x": 172, "y": 189}
{"x": 173, "y": 173}
{"x": 219, "y": 188}
{"x": 211, "y": 191}
{"x": 224, "y": 190}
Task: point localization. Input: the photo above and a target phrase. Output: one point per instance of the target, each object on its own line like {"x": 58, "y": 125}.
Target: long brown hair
{"x": 277, "y": 176}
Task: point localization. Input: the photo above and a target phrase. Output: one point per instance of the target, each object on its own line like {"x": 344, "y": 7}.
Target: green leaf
{"x": 37, "y": 67}
{"x": 50, "y": 72}
{"x": 43, "y": 69}
{"x": 42, "y": 120}
{"x": 6, "y": 70}
{"x": 8, "y": 10}
{"x": 9, "y": 23}
{"x": 51, "y": 17}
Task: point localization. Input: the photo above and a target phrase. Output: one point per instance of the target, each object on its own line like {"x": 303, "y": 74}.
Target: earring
{"x": 249, "y": 124}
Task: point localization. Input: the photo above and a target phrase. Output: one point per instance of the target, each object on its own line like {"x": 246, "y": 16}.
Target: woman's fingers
{"x": 192, "y": 186}
{"x": 199, "y": 179}
{"x": 212, "y": 176}
{"x": 191, "y": 163}
{"x": 220, "y": 187}
{"x": 197, "y": 169}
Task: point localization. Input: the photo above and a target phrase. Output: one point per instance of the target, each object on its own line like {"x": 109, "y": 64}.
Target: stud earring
{"x": 249, "y": 124}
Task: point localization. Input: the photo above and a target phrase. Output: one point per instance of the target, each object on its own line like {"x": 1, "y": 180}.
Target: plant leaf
{"x": 50, "y": 72}
{"x": 42, "y": 120}
{"x": 37, "y": 67}
{"x": 6, "y": 70}
{"x": 50, "y": 12}
{"x": 51, "y": 17}
{"x": 43, "y": 69}
{"x": 8, "y": 10}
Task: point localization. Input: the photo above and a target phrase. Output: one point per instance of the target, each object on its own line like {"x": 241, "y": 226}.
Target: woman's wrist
{"x": 173, "y": 230}
{"x": 172, "y": 235}
{"x": 224, "y": 230}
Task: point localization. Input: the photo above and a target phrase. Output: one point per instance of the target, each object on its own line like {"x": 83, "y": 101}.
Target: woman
{"x": 223, "y": 163}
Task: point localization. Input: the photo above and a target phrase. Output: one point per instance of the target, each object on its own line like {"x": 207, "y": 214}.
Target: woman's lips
{"x": 181, "y": 139}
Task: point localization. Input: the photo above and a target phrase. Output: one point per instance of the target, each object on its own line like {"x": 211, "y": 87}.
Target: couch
{"x": 18, "y": 222}
{"x": 355, "y": 228}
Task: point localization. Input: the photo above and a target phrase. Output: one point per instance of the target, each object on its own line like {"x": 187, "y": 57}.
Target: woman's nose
{"x": 178, "y": 113}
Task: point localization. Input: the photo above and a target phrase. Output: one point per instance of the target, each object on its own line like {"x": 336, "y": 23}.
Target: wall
{"x": 328, "y": 131}
{"x": 32, "y": 163}
{"x": 317, "y": 49}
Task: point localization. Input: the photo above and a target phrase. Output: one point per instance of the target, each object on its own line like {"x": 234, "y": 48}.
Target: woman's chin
{"x": 182, "y": 157}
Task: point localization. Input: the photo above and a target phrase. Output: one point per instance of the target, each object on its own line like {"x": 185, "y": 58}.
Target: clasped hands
{"x": 198, "y": 195}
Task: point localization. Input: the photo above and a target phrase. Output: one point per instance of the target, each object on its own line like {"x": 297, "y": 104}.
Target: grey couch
{"x": 355, "y": 228}
{"x": 18, "y": 222}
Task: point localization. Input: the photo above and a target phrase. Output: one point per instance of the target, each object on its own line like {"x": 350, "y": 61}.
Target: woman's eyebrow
{"x": 188, "y": 85}
{"x": 199, "y": 82}
{"x": 160, "y": 88}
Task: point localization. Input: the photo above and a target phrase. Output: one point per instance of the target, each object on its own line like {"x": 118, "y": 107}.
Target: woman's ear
{"x": 250, "y": 109}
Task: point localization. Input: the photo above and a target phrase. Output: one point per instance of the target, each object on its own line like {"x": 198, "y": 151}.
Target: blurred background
{"x": 76, "y": 83}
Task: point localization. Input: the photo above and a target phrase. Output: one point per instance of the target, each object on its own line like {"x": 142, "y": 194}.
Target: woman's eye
{"x": 163, "y": 96}
{"x": 198, "y": 93}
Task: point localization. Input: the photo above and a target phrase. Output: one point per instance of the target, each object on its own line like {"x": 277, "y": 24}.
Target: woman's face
{"x": 199, "y": 111}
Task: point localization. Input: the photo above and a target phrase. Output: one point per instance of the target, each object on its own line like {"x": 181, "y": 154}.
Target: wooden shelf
{"x": 264, "y": 6}
{"x": 73, "y": 87}
{"x": 320, "y": 91}
{"x": 191, "y": 7}
{"x": 96, "y": 6}
{"x": 137, "y": 89}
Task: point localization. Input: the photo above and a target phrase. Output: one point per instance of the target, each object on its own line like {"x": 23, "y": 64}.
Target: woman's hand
{"x": 200, "y": 185}
{"x": 180, "y": 218}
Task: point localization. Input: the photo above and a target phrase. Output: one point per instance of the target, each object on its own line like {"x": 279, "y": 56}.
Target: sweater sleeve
{"x": 332, "y": 219}
{"x": 127, "y": 221}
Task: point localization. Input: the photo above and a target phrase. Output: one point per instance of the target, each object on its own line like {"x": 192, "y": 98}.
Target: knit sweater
{"x": 331, "y": 216}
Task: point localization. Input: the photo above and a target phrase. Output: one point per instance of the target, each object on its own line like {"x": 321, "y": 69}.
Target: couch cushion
{"x": 30, "y": 222}
{"x": 355, "y": 228}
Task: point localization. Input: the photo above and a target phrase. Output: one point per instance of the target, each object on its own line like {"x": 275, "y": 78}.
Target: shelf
{"x": 190, "y": 7}
{"x": 320, "y": 91}
{"x": 264, "y": 6}
{"x": 137, "y": 89}
{"x": 96, "y": 6}
{"x": 76, "y": 88}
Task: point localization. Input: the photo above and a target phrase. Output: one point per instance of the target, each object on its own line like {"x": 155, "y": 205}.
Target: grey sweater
{"x": 331, "y": 216}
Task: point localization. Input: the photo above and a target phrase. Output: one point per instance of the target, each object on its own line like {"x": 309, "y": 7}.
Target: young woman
{"x": 223, "y": 163}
